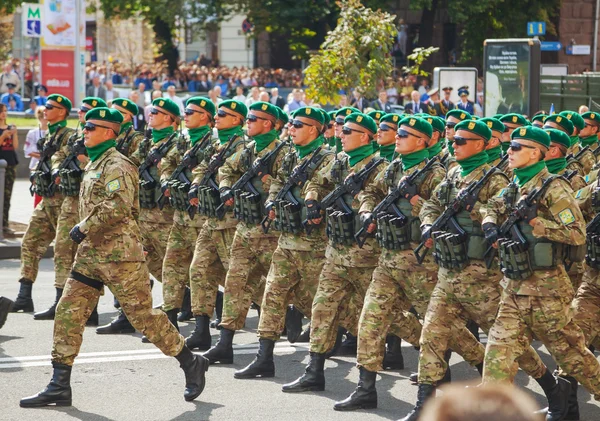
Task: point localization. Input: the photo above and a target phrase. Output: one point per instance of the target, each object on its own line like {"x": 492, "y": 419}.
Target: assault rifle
{"x": 124, "y": 140}
{"x": 152, "y": 160}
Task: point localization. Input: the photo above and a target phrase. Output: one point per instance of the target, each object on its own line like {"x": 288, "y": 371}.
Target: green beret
{"x": 475, "y": 117}
{"x": 331, "y": 115}
{"x": 575, "y": 118}
{"x": 391, "y": 118}
{"x": 493, "y": 124}
{"x": 362, "y": 120}
{"x": 126, "y": 104}
{"x": 532, "y": 133}
{"x": 342, "y": 113}
{"x": 419, "y": 124}
{"x": 437, "y": 123}
{"x": 561, "y": 121}
{"x": 376, "y": 115}
{"x": 106, "y": 117}
{"x": 591, "y": 116}
{"x": 168, "y": 105}
{"x": 326, "y": 118}
{"x": 235, "y": 106}
{"x": 312, "y": 113}
{"x": 282, "y": 116}
{"x": 94, "y": 102}
{"x": 458, "y": 114}
{"x": 514, "y": 118}
{"x": 539, "y": 117}
{"x": 560, "y": 137}
{"x": 60, "y": 101}
{"x": 265, "y": 107}
{"x": 497, "y": 116}
{"x": 203, "y": 102}
{"x": 476, "y": 127}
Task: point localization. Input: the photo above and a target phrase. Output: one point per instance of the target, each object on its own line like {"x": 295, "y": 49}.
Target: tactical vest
{"x": 592, "y": 242}
{"x": 124, "y": 142}
{"x": 43, "y": 185}
{"x": 150, "y": 190}
{"x": 341, "y": 224}
{"x": 71, "y": 176}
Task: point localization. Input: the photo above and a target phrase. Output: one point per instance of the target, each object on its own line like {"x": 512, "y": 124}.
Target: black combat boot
{"x": 557, "y": 391}
{"x": 222, "y": 352}
{"x": 304, "y": 336}
{"x": 93, "y": 319}
{"x": 195, "y": 368}
{"x": 24, "y": 302}
{"x": 186, "y": 307}
{"x": 338, "y": 343}
{"x": 58, "y": 392}
{"x": 49, "y": 314}
{"x": 426, "y": 392}
{"x": 393, "y": 359}
{"x": 293, "y": 324}
{"x": 119, "y": 325}
{"x": 364, "y": 396}
{"x": 348, "y": 346}
{"x": 263, "y": 365}
{"x": 5, "y": 306}
{"x": 172, "y": 315}
{"x": 313, "y": 379}
{"x": 200, "y": 337}
{"x": 215, "y": 324}
{"x": 474, "y": 329}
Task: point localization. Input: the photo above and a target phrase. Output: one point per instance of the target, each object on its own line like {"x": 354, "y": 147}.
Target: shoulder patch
{"x": 501, "y": 193}
{"x": 578, "y": 195}
{"x": 566, "y": 216}
{"x": 95, "y": 175}
{"x": 113, "y": 186}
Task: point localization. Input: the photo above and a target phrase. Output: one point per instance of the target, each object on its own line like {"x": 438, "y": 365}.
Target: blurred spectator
{"x": 116, "y": 78}
{"x": 358, "y": 101}
{"x": 32, "y": 107}
{"x": 239, "y": 94}
{"x": 424, "y": 86}
{"x": 155, "y": 94}
{"x": 276, "y": 99}
{"x": 110, "y": 92}
{"x": 31, "y": 144}
{"x": 415, "y": 106}
{"x": 203, "y": 84}
{"x": 9, "y": 76}
{"x": 141, "y": 95}
{"x": 296, "y": 101}
{"x": 12, "y": 99}
{"x": 381, "y": 103}
{"x": 263, "y": 96}
{"x": 215, "y": 95}
{"x": 96, "y": 89}
{"x": 583, "y": 109}
{"x": 392, "y": 91}
{"x": 171, "y": 95}
{"x": 42, "y": 96}
{"x": 9, "y": 142}
{"x": 253, "y": 97}
{"x": 490, "y": 402}
{"x": 343, "y": 101}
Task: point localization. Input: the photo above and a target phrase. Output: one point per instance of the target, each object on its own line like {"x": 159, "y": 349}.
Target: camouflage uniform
{"x": 252, "y": 249}
{"x": 299, "y": 257}
{"x": 128, "y": 141}
{"x": 42, "y": 225}
{"x": 540, "y": 304}
{"x": 587, "y": 159}
{"x": 470, "y": 293}
{"x": 111, "y": 255}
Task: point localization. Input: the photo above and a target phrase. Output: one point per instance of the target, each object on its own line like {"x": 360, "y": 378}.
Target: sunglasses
{"x": 385, "y": 128}
{"x": 330, "y": 126}
{"x": 190, "y": 111}
{"x": 252, "y": 118}
{"x": 461, "y": 141}
{"x": 90, "y": 127}
{"x": 297, "y": 124}
{"x": 516, "y": 147}
{"x": 155, "y": 111}
{"x": 348, "y": 130}
{"x": 509, "y": 129}
{"x": 222, "y": 113}
{"x": 450, "y": 125}
{"x": 50, "y": 106}
{"x": 84, "y": 109}
{"x": 339, "y": 121}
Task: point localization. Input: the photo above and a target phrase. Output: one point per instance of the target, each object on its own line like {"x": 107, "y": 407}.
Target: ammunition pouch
{"x": 179, "y": 194}
{"x": 248, "y": 207}
{"x": 42, "y": 183}
{"x": 148, "y": 196}
{"x": 288, "y": 217}
{"x": 209, "y": 200}
{"x": 396, "y": 233}
{"x": 592, "y": 257}
{"x": 515, "y": 259}
{"x": 450, "y": 250}
{"x": 70, "y": 181}
{"x": 340, "y": 227}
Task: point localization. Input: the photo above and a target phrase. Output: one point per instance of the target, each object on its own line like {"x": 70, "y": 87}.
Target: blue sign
{"x": 550, "y": 46}
{"x": 34, "y": 28}
{"x": 536, "y": 28}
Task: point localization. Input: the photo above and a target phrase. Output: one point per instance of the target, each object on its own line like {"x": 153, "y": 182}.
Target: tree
{"x": 356, "y": 54}
{"x": 6, "y": 34}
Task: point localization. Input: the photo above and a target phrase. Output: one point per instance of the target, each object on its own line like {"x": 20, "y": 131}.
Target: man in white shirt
{"x": 9, "y": 76}
{"x": 171, "y": 95}
{"x": 110, "y": 92}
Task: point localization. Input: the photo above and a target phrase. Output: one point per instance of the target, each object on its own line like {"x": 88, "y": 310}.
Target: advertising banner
{"x": 57, "y": 72}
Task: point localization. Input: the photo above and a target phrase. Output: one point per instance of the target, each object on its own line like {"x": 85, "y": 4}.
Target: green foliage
{"x": 356, "y": 54}
{"x": 418, "y": 57}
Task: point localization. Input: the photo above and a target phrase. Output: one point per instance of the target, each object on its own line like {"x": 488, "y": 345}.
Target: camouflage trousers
{"x": 471, "y": 294}
{"x": 129, "y": 282}
{"x": 292, "y": 279}
{"x": 209, "y": 267}
{"x": 176, "y": 266}
{"x": 68, "y": 218}
{"x": 399, "y": 283}
{"x": 154, "y": 239}
{"x": 586, "y": 306}
{"x": 550, "y": 320}
{"x": 9, "y": 181}
{"x": 245, "y": 281}
{"x": 38, "y": 236}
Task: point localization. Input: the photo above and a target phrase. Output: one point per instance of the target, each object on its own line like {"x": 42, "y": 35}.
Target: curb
{"x": 12, "y": 250}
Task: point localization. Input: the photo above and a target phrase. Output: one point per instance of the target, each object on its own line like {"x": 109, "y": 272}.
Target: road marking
{"x": 131, "y": 355}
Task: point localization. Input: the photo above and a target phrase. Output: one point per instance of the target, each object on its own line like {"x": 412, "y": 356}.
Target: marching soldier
{"x": 511, "y": 122}
{"x": 537, "y": 291}
{"x": 42, "y": 226}
{"x": 244, "y": 182}
{"x": 581, "y": 151}
{"x": 386, "y": 136}
{"x": 329, "y": 134}
{"x": 589, "y": 134}
{"x": 453, "y": 117}
{"x": 494, "y": 146}
{"x": 109, "y": 253}
{"x": 129, "y": 139}
{"x": 435, "y": 146}
{"x": 299, "y": 257}
{"x": 340, "y": 115}
{"x": 538, "y": 119}
{"x": 556, "y": 160}
{"x": 212, "y": 249}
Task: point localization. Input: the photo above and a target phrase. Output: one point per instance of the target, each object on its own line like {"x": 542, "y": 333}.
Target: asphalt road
{"x": 120, "y": 378}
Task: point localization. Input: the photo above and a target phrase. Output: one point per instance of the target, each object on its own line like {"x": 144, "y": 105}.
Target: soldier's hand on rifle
{"x": 193, "y": 195}
{"x": 83, "y": 158}
{"x": 491, "y": 232}
{"x": 367, "y": 220}
{"x": 426, "y": 236}
{"x": 227, "y": 196}
{"x": 527, "y": 212}
{"x": 56, "y": 177}
{"x": 164, "y": 188}
{"x": 270, "y": 208}
{"x": 313, "y": 212}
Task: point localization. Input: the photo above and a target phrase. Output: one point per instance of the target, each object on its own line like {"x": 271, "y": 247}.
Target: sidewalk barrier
{"x": 3, "y": 165}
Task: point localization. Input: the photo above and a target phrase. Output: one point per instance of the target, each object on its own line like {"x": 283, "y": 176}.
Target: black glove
{"x": 491, "y": 232}
{"x": 408, "y": 191}
{"x": 313, "y": 209}
{"x": 366, "y": 219}
{"x": 76, "y": 235}
{"x": 193, "y": 192}
{"x": 226, "y": 194}
{"x": 425, "y": 232}
{"x": 527, "y": 211}
{"x": 269, "y": 206}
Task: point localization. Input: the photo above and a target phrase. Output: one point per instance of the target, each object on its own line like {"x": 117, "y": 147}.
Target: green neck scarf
{"x": 472, "y": 163}
{"x": 338, "y": 144}
{"x": 415, "y": 158}
{"x": 308, "y": 149}
{"x": 359, "y": 154}
{"x": 198, "y": 133}
{"x": 527, "y": 173}
{"x": 160, "y": 134}
{"x": 574, "y": 140}
{"x": 330, "y": 141}
{"x": 450, "y": 145}
{"x": 375, "y": 146}
{"x": 556, "y": 165}
{"x": 435, "y": 149}
{"x": 387, "y": 152}
{"x": 52, "y": 128}
{"x": 494, "y": 153}
{"x": 225, "y": 134}
{"x": 504, "y": 146}
{"x": 125, "y": 127}
{"x": 96, "y": 152}
{"x": 590, "y": 140}
{"x": 264, "y": 140}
